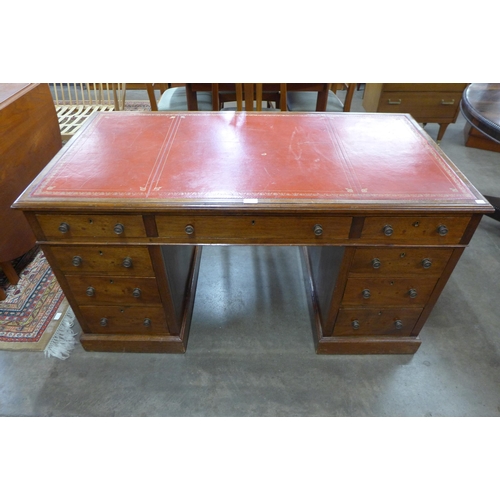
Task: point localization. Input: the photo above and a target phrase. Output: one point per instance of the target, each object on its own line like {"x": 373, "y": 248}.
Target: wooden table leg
{"x": 10, "y": 272}
{"x": 3, "y": 295}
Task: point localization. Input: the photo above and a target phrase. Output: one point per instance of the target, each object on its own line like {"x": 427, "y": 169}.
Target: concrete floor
{"x": 250, "y": 351}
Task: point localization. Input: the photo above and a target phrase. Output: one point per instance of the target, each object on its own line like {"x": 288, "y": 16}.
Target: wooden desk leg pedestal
{"x": 357, "y": 310}
{"x": 176, "y": 275}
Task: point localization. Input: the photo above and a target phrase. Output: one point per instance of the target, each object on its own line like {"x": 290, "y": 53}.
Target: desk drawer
{"x": 125, "y": 319}
{"x": 402, "y": 292}
{"x": 81, "y": 227}
{"x": 117, "y": 260}
{"x": 421, "y": 105}
{"x": 397, "y": 322}
{"x": 446, "y": 230}
{"x": 425, "y": 87}
{"x": 376, "y": 261}
{"x": 89, "y": 289}
{"x": 256, "y": 229}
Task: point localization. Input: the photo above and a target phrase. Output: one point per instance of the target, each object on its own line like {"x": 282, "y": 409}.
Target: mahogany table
{"x": 380, "y": 213}
{"x": 480, "y": 106}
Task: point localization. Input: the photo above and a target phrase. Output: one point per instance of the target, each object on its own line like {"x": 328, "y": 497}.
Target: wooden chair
{"x": 249, "y": 97}
{"x": 75, "y": 102}
{"x": 306, "y": 101}
{"x": 176, "y": 98}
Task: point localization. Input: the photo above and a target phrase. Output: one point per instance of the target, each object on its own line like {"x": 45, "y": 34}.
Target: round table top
{"x": 481, "y": 107}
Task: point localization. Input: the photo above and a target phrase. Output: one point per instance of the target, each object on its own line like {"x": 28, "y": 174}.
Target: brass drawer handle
{"x": 355, "y": 324}
{"x": 447, "y": 103}
{"x": 396, "y": 103}
{"x": 90, "y": 291}
{"x": 412, "y": 293}
{"x": 146, "y": 322}
{"x": 318, "y": 230}
{"x": 127, "y": 262}
{"x": 189, "y": 229}
{"x": 119, "y": 229}
{"x": 64, "y": 227}
{"x": 77, "y": 261}
{"x": 103, "y": 322}
{"x": 388, "y": 230}
{"x": 442, "y": 230}
{"x": 398, "y": 324}
{"x": 426, "y": 263}
{"x": 136, "y": 292}
{"x": 376, "y": 263}
{"x": 366, "y": 293}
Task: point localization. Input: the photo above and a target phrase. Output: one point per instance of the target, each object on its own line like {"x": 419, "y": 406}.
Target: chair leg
{"x": 3, "y": 295}
{"x": 10, "y": 272}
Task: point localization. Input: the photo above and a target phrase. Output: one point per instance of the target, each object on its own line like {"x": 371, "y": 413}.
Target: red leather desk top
{"x": 229, "y": 158}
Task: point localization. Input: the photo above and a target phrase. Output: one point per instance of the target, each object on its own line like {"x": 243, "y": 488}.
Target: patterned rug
{"x": 35, "y": 316}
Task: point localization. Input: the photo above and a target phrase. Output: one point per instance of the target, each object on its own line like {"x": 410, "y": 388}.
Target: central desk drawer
{"x": 125, "y": 319}
{"x": 258, "y": 228}
{"x": 114, "y": 290}
{"x": 118, "y": 260}
{"x": 81, "y": 227}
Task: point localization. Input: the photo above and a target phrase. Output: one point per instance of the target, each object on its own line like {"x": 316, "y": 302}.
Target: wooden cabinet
{"x": 426, "y": 102}
{"x": 30, "y": 137}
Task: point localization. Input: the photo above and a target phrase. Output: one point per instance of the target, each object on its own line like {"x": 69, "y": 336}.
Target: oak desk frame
{"x": 382, "y": 217}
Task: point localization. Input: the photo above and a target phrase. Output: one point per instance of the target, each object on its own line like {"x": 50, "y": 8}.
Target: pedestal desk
{"x": 380, "y": 213}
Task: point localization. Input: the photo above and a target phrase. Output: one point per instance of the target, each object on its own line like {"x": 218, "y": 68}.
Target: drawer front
{"x": 403, "y": 292}
{"x": 397, "y": 322}
{"x": 376, "y": 261}
{"x": 122, "y": 260}
{"x": 125, "y": 319}
{"x": 425, "y": 87}
{"x": 421, "y": 104}
{"x": 446, "y": 230}
{"x": 80, "y": 227}
{"x": 114, "y": 290}
{"x": 265, "y": 229}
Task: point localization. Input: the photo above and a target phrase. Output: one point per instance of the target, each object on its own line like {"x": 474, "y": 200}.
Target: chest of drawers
{"x": 124, "y": 231}
{"x": 426, "y": 102}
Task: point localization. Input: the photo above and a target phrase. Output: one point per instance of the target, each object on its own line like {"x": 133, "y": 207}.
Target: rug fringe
{"x": 64, "y": 339}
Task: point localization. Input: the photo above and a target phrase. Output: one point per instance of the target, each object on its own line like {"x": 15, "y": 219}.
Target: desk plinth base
{"x": 168, "y": 344}
{"x": 366, "y": 345}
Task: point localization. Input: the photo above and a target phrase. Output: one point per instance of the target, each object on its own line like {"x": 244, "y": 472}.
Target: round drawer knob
{"x": 146, "y": 322}
{"x": 127, "y": 262}
{"x": 412, "y": 293}
{"x": 426, "y": 263}
{"x": 442, "y": 230}
{"x": 366, "y": 293}
{"x": 189, "y": 229}
{"x": 355, "y": 324}
{"x": 103, "y": 322}
{"x": 376, "y": 263}
{"x": 398, "y": 324}
{"x": 119, "y": 229}
{"x": 64, "y": 227}
{"x": 318, "y": 230}
{"x": 388, "y": 230}
{"x": 90, "y": 291}
{"x": 136, "y": 292}
{"x": 77, "y": 261}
